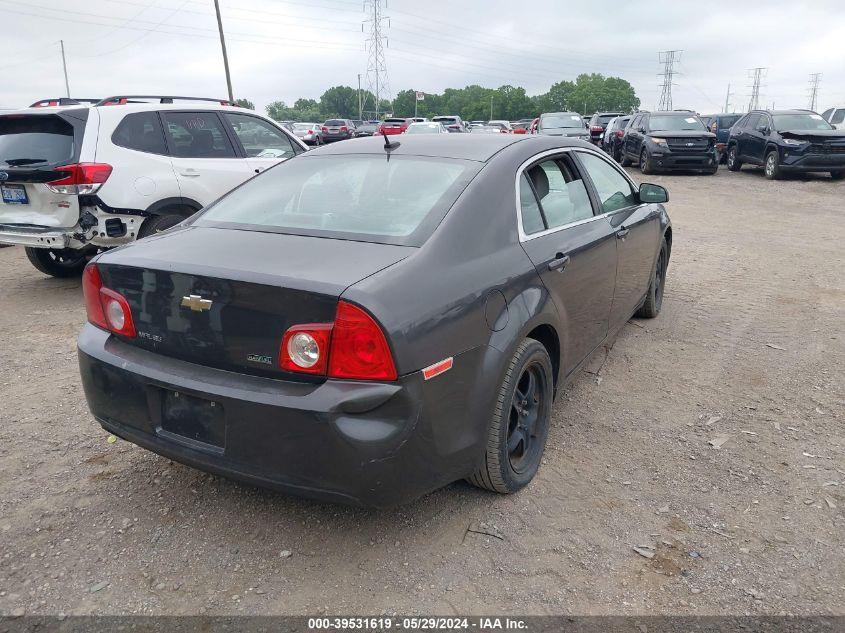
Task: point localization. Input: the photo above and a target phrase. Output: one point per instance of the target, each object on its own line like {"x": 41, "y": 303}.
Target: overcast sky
{"x": 285, "y": 49}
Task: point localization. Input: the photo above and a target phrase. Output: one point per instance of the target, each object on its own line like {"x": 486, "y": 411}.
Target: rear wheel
{"x": 520, "y": 425}
{"x": 645, "y": 166}
{"x": 65, "y": 262}
{"x": 772, "y": 168}
{"x": 158, "y": 223}
{"x": 654, "y": 298}
{"x": 734, "y": 164}
{"x": 623, "y": 158}
{"x": 837, "y": 175}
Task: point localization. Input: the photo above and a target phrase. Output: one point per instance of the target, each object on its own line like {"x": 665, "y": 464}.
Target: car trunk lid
{"x": 227, "y": 306}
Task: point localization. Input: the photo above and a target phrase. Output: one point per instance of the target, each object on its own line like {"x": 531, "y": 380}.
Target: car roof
{"x": 481, "y": 147}
{"x": 139, "y": 107}
{"x": 793, "y": 111}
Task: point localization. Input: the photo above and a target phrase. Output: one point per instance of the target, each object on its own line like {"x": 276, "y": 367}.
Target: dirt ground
{"x": 748, "y": 349}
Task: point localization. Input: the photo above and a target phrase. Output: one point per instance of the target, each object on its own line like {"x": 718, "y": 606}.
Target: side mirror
{"x": 641, "y": 130}
{"x": 653, "y": 194}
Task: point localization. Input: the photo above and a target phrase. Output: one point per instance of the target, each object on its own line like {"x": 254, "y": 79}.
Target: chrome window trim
{"x": 554, "y": 152}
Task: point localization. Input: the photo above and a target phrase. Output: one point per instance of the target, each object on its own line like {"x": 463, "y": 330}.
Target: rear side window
{"x": 562, "y": 194}
{"x": 35, "y": 141}
{"x": 532, "y": 219}
{"x": 259, "y": 138}
{"x": 140, "y": 131}
{"x": 614, "y": 190}
{"x": 369, "y": 197}
{"x": 726, "y": 122}
{"x": 197, "y": 135}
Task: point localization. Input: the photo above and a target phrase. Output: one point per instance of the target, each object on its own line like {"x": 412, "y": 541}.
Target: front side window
{"x": 561, "y": 192}
{"x": 838, "y": 116}
{"x": 369, "y": 197}
{"x": 752, "y": 121}
{"x": 197, "y": 135}
{"x": 614, "y": 190}
{"x": 140, "y": 131}
{"x": 259, "y": 138}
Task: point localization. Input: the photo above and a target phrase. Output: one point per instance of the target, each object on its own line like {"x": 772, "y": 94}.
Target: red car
{"x": 394, "y": 126}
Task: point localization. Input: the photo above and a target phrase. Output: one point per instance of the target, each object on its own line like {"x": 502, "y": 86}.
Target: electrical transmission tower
{"x": 757, "y": 75}
{"x": 668, "y": 59}
{"x": 815, "y": 79}
{"x": 377, "y": 82}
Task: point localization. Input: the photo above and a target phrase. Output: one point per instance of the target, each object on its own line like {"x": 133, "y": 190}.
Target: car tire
{"x": 61, "y": 263}
{"x": 623, "y": 158}
{"x": 520, "y": 425}
{"x": 734, "y": 164}
{"x": 771, "y": 168}
{"x": 837, "y": 175}
{"x": 645, "y": 166}
{"x": 158, "y": 223}
{"x": 654, "y": 296}
{"x": 712, "y": 171}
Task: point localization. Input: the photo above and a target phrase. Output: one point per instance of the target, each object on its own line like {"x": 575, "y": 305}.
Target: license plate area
{"x": 14, "y": 194}
{"x": 192, "y": 420}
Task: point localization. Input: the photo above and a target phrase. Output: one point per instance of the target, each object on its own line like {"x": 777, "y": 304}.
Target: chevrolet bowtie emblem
{"x": 196, "y": 303}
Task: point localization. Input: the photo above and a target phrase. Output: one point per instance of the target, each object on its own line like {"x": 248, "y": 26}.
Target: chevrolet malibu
{"x": 366, "y": 323}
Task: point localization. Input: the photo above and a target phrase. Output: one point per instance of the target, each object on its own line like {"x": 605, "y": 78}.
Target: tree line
{"x": 588, "y": 93}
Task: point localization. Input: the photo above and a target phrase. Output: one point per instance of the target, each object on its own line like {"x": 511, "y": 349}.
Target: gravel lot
{"x": 748, "y": 349}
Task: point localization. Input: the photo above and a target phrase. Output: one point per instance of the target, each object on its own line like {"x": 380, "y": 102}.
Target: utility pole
{"x": 668, "y": 59}
{"x": 377, "y": 81}
{"x": 64, "y": 66}
{"x": 360, "y": 105}
{"x": 223, "y": 46}
{"x": 757, "y": 75}
{"x": 491, "y": 107}
{"x": 815, "y": 79}
{"x": 728, "y": 100}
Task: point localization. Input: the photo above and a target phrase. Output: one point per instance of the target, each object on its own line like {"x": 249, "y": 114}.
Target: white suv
{"x": 835, "y": 116}
{"x": 76, "y": 178}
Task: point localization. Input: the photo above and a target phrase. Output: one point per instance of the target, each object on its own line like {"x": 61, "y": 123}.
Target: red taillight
{"x": 620, "y": 133}
{"x": 344, "y": 129}
{"x": 359, "y": 349}
{"x": 91, "y": 285}
{"x": 325, "y": 129}
{"x": 310, "y": 132}
{"x": 353, "y": 347}
{"x": 106, "y": 308}
{"x": 596, "y": 128}
{"x": 305, "y": 348}
{"x": 81, "y": 178}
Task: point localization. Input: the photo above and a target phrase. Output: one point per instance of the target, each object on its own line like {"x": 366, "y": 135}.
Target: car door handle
{"x": 191, "y": 173}
{"x": 622, "y": 233}
{"x": 559, "y": 262}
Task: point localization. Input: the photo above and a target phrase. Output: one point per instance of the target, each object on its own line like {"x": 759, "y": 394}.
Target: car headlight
{"x": 658, "y": 141}
{"x": 793, "y": 141}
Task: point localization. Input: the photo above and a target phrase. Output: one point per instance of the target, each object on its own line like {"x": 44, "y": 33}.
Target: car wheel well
{"x": 668, "y": 237}
{"x": 547, "y": 336}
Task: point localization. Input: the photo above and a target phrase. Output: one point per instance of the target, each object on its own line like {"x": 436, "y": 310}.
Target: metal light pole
{"x": 223, "y": 46}
{"x": 64, "y": 66}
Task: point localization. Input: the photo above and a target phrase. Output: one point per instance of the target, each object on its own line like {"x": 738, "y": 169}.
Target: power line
{"x": 377, "y": 81}
{"x": 668, "y": 59}
{"x": 757, "y": 75}
{"x": 815, "y": 79}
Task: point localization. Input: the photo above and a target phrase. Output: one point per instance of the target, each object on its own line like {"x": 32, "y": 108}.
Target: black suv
{"x": 787, "y": 141}
{"x": 598, "y": 123}
{"x": 668, "y": 141}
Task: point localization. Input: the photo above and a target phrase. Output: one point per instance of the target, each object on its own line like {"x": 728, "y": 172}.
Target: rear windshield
{"x": 726, "y": 122}
{"x": 35, "y": 141}
{"x": 556, "y": 121}
{"x": 301, "y": 127}
{"x": 335, "y": 122}
{"x": 603, "y": 119}
{"x": 677, "y": 123}
{"x": 369, "y": 198}
{"x": 394, "y": 120}
{"x": 446, "y": 120}
{"x": 801, "y": 122}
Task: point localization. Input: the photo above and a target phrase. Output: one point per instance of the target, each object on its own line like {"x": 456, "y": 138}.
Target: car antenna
{"x": 388, "y": 146}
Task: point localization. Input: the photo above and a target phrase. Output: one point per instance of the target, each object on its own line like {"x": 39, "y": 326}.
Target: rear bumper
{"x": 35, "y": 237}
{"x": 373, "y": 444}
